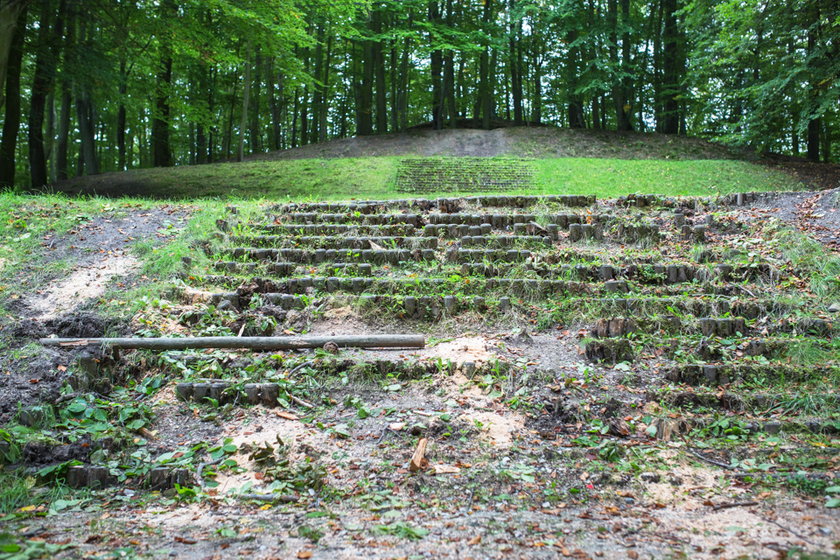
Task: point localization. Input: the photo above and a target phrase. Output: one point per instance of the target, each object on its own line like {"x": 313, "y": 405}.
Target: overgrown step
{"x": 291, "y": 230}
{"x": 760, "y": 401}
{"x": 723, "y": 374}
{"x": 334, "y": 242}
{"x": 425, "y": 175}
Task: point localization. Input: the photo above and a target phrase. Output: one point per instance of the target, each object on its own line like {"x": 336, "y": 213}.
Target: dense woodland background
{"x": 103, "y": 85}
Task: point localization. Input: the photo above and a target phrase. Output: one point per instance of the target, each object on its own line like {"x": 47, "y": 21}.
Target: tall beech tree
{"x": 104, "y": 85}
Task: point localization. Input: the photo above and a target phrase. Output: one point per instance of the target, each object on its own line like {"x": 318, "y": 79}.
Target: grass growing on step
{"x": 374, "y": 177}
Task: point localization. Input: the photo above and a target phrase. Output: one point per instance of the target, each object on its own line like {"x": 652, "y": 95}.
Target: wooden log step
{"x": 334, "y": 242}
{"x": 456, "y": 254}
{"x": 723, "y": 374}
{"x": 525, "y": 201}
{"x": 366, "y": 219}
{"x": 705, "y": 306}
{"x": 774, "y": 403}
{"x": 338, "y": 229}
{"x": 387, "y": 256}
{"x": 505, "y": 241}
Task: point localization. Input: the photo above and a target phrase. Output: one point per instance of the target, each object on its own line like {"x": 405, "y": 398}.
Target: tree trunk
{"x": 575, "y": 112}
{"x": 379, "y": 76}
{"x": 626, "y": 109}
{"x": 61, "y": 171}
{"x": 254, "y": 136}
{"x": 670, "y": 69}
{"x": 87, "y": 132}
{"x": 121, "y": 117}
{"x": 813, "y": 140}
{"x": 12, "y": 17}
{"x": 45, "y": 62}
{"x": 436, "y": 67}
{"x": 515, "y": 63}
{"x": 273, "y": 82}
{"x": 11, "y": 122}
{"x": 246, "y": 98}
{"x": 486, "y": 88}
{"x": 323, "y": 109}
{"x": 364, "y": 111}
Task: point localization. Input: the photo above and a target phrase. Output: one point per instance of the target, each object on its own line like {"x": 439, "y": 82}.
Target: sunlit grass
{"x": 374, "y": 177}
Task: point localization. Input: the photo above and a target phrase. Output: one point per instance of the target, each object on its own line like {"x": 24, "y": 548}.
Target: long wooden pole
{"x": 247, "y": 342}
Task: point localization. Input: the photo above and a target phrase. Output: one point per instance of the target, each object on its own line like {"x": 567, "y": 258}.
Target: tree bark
{"x": 10, "y": 22}
{"x": 364, "y": 100}
{"x": 379, "y": 76}
{"x": 246, "y": 98}
{"x": 670, "y": 69}
{"x": 254, "y": 136}
{"x": 514, "y": 56}
{"x": 575, "y": 112}
{"x": 45, "y": 62}
{"x": 486, "y": 87}
{"x": 250, "y": 342}
{"x": 121, "y": 116}
{"x": 11, "y": 122}
{"x": 436, "y": 68}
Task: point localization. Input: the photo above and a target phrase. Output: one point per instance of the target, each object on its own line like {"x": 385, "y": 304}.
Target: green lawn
{"x": 373, "y": 177}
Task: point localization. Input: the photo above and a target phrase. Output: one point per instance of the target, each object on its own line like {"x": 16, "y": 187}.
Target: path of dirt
{"x": 814, "y": 213}
{"x": 101, "y": 251}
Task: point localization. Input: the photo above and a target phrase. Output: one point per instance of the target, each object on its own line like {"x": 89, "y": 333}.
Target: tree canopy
{"x": 103, "y": 85}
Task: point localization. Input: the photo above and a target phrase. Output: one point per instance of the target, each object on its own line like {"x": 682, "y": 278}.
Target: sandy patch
{"x": 84, "y": 283}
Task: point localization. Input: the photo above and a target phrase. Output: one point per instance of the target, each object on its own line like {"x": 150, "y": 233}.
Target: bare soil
{"x": 100, "y": 251}
{"x": 480, "y": 504}
{"x": 815, "y": 213}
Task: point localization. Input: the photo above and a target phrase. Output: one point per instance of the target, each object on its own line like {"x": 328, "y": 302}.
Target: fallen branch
{"x": 710, "y": 461}
{"x": 791, "y": 531}
{"x": 246, "y": 342}
{"x": 301, "y": 402}
{"x": 286, "y": 499}
{"x": 733, "y": 505}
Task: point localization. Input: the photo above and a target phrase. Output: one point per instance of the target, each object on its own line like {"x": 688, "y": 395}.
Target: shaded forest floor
{"x": 535, "y": 450}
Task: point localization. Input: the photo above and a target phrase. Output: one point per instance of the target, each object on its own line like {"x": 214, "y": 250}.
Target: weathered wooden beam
{"x": 246, "y": 342}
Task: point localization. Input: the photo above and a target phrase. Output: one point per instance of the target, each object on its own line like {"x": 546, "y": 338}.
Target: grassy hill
{"x": 562, "y": 161}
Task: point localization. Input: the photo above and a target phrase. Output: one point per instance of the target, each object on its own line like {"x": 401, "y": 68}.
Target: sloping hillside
{"x": 538, "y": 142}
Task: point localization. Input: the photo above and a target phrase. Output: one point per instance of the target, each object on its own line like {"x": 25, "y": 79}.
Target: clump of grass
{"x": 809, "y": 258}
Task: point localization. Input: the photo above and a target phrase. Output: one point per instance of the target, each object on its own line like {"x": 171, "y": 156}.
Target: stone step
{"x": 387, "y": 256}
{"x": 334, "y": 242}
{"x": 723, "y": 374}
{"x": 639, "y": 272}
{"x": 757, "y": 402}
{"x": 684, "y": 425}
{"x": 290, "y": 230}
{"x": 708, "y": 326}
{"x": 364, "y": 219}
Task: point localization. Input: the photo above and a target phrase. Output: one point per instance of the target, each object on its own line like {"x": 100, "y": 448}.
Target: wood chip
{"x": 418, "y": 460}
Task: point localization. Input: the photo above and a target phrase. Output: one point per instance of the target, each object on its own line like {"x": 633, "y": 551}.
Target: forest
{"x": 107, "y": 85}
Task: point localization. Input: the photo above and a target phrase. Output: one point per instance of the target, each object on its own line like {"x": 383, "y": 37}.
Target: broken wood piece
{"x": 247, "y": 342}
{"x": 418, "y": 460}
{"x": 445, "y": 469}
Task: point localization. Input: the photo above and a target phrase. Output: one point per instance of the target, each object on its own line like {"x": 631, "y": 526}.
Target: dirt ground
{"x": 100, "y": 253}
{"x": 814, "y": 213}
{"x": 477, "y": 498}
